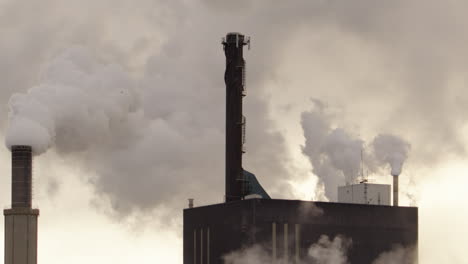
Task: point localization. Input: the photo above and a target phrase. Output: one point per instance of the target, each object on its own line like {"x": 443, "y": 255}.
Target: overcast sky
{"x": 133, "y": 93}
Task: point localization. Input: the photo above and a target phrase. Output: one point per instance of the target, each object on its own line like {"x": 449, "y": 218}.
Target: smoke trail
{"x": 327, "y": 251}
{"x": 324, "y": 251}
{"x": 78, "y": 103}
{"x": 398, "y": 255}
{"x": 138, "y": 139}
{"x": 336, "y": 155}
{"x": 252, "y": 255}
{"x": 391, "y": 150}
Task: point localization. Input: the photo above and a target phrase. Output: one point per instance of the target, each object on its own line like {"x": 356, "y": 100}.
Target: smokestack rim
{"x": 234, "y": 33}
{"x": 234, "y": 38}
{"x": 21, "y": 148}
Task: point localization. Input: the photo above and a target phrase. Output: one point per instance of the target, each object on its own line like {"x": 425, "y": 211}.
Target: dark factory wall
{"x": 216, "y": 230}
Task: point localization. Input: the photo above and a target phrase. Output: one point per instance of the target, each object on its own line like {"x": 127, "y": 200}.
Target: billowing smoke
{"x": 252, "y": 255}
{"x": 78, "y": 103}
{"x": 327, "y": 251}
{"x": 139, "y": 138}
{"x": 324, "y": 251}
{"x": 334, "y": 153}
{"x": 26, "y": 126}
{"x": 338, "y": 157}
{"x": 398, "y": 255}
{"x": 391, "y": 150}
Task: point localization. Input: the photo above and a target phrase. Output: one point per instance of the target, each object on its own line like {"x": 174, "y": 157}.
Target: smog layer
{"x": 123, "y": 103}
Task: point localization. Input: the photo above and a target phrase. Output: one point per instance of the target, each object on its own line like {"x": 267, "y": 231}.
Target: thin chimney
{"x": 395, "y": 190}
{"x": 21, "y": 176}
{"x": 21, "y": 219}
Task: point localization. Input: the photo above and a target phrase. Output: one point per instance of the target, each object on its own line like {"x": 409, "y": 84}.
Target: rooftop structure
{"x": 365, "y": 193}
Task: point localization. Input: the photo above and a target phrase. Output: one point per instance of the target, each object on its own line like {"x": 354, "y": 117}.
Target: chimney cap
{"x": 21, "y": 147}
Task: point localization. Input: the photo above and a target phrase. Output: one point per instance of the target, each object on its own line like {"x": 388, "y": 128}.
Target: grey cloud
{"x": 397, "y": 255}
{"x": 171, "y": 50}
{"x": 324, "y": 251}
{"x": 339, "y": 157}
{"x": 151, "y": 140}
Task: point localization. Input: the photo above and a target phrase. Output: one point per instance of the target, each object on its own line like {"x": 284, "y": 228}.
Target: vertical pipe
{"x": 195, "y": 246}
{"x": 297, "y": 242}
{"x": 286, "y": 244}
{"x": 273, "y": 241}
{"x": 21, "y": 176}
{"x": 208, "y": 246}
{"x": 201, "y": 246}
{"x": 395, "y": 190}
{"x": 233, "y": 77}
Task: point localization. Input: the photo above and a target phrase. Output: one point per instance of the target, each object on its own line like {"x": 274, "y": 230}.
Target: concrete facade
{"x": 21, "y": 235}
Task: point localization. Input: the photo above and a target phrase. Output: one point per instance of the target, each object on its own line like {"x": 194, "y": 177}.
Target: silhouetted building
{"x": 285, "y": 228}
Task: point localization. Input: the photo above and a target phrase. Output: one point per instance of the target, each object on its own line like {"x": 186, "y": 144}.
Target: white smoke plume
{"x": 252, "y": 255}
{"x": 137, "y": 138}
{"x": 334, "y": 153}
{"x": 324, "y": 251}
{"x": 327, "y": 251}
{"x": 337, "y": 156}
{"x": 78, "y": 103}
{"x": 391, "y": 150}
{"x": 398, "y": 255}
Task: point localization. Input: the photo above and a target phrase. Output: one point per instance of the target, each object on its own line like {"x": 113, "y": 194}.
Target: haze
{"x": 134, "y": 116}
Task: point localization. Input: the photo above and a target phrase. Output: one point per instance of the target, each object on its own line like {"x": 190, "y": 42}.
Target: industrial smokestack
{"x": 395, "y": 189}
{"x": 234, "y": 78}
{"x": 21, "y": 176}
{"x": 21, "y": 219}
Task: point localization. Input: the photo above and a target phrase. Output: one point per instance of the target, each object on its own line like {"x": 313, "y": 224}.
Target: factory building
{"x": 286, "y": 229}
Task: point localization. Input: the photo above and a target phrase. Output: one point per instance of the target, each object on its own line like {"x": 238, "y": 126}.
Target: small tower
{"x": 395, "y": 189}
{"x": 21, "y": 219}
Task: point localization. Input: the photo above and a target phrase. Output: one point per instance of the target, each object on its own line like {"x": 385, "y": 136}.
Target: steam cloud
{"x": 78, "y": 103}
{"x": 325, "y": 251}
{"x": 391, "y": 150}
{"x": 336, "y": 154}
{"x": 132, "y": 135}
{"x": 398, "y": 255}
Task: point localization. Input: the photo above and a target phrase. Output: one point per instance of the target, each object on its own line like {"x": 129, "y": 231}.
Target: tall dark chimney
{"x": 21, "y": 219}
{"x": 21, "y": 176}
{"x": 234, "y": 78}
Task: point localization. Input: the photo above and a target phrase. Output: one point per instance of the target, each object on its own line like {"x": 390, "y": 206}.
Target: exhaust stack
{"x": 395, "y": 190}
{"x": 21, "y": 219}
{"x": 21, "y": 176}
{"x": 234, "y": 78}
